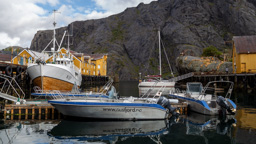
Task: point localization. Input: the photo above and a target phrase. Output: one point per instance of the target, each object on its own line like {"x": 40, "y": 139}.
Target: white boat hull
{"x": 157, "y": 84}
{"x": 54, "y": 76}
{"x": 110, "y": 110}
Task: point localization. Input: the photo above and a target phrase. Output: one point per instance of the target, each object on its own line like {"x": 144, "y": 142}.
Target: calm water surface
{"x": 193, "y": 128}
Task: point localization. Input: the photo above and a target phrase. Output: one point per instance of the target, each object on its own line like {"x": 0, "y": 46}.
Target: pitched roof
{"x": 5, "y": 57}
{"x": 95, "y": 56}
{"x": 245, "y": 44}
{"x": 38, "y": 54}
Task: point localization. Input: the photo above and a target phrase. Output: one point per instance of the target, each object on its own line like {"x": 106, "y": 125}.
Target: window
{"x": 98, "y": 66}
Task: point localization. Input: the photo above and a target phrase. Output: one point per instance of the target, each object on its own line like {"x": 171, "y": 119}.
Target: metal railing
{"x": 10, "y": 83}
{"x": 147, "y": 94}
{"x": 106, "y": 87}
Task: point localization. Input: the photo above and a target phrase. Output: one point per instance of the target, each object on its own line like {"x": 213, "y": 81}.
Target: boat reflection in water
{"x": 198, "y": 128}
{"x": 108, "y": 131}
{"x": 196, "y": 124}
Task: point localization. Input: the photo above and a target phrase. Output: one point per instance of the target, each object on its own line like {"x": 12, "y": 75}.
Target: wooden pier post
{"x": 26, "y": 114}
{"x": 11, "y": 114}
{"x": 52, "y": 113}
{"x": 58, "y": 115}
{"x": 33, "y": 113}
{"x": 5, "y": 113}
{"x": 39, "y": 113}
{"x": 19, "y": 113}
{"x": 46, "y": 113}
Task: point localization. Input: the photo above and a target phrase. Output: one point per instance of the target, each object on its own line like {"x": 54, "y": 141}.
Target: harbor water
{"x": 192, "y": 128}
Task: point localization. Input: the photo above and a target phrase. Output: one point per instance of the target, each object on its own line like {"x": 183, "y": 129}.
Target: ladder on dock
{"x": 182, "y": 77}
{"x": 8, "y": 84}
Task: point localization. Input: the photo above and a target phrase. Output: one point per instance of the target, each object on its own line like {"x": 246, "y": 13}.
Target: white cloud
{"x": 7, "y": 41}
{"x": 116, "y": 6}
{"x": 20, "y": 20}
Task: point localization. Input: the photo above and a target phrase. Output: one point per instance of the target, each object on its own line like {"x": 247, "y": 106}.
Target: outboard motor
{"x": 221, "y": 101}
{"x": 166, "y": 104}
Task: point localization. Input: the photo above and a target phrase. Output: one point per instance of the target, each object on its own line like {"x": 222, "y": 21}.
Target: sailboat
{"x": 61, "y": 74}
{"x": 156, "y": 81}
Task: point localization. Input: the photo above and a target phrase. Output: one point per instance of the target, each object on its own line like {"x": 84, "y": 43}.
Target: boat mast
{"x": 54, "y": 34}
{"x": 160, "y": 66}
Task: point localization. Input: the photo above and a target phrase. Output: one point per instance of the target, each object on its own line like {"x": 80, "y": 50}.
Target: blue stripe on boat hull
{"x": 107, "y": 104}
{"x": 203, "y": 103}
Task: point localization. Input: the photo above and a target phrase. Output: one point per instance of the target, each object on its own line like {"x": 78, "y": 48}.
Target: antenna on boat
{"x": 160, "y": 69}
{"x": 70, "y": 34}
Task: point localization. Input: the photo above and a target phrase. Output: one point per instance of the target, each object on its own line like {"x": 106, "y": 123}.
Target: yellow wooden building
{"x": 93, "y": 64}
{"x": 244, "y": 54}
{"x": 28, "y": 56}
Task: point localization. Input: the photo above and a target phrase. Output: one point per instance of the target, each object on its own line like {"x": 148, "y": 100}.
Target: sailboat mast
{"x": 160, "y": 61}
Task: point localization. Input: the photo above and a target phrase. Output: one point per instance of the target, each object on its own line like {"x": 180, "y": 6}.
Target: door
{"x": 243, "y": 67}
{"x": 21, "y": 60}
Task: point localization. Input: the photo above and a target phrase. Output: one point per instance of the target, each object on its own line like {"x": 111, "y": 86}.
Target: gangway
{"x": 182, "y": 77}
{"x": 9, "y": 84}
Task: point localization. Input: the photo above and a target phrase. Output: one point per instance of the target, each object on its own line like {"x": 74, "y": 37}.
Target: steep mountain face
{"x": 130, "y": 38}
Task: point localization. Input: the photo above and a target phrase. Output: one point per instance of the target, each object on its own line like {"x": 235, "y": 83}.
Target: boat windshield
{"x": 194, "y": 87}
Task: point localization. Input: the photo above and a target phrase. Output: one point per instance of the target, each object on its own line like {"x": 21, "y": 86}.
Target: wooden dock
{"x": 30, "y": 111}
{"x": 242, "y": 80}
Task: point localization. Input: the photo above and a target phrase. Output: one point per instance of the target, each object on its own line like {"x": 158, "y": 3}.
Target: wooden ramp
{"x": 182, "y": 77}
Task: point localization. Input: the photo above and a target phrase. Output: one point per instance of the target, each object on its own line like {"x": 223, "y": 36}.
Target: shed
{"x": 244, "y": 54}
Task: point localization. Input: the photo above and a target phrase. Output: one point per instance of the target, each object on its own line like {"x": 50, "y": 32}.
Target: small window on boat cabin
{"x": 195, "y": 87}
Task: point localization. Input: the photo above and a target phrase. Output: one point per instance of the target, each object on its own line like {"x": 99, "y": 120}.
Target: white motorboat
{"x": 208, "y": 104}
{"x": 61, "y": 74}
{"x": 128, "y": 108}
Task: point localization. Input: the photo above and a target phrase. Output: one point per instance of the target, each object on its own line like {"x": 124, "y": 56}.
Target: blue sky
{"x": 81, "y": 6}
{"x": 21, "y": 19}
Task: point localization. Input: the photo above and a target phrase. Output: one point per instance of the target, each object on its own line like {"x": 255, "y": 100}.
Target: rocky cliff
{"x": 211, "y": 65}
{"x": 130, "y": 37}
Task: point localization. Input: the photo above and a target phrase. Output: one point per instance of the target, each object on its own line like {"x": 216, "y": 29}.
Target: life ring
{"x": 19, "y": 70}
{"x": 8, "y": 70}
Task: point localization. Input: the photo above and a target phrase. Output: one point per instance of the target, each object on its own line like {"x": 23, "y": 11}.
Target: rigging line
{"x": 150, "y": 52}
{"x": 167, "y": 58}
